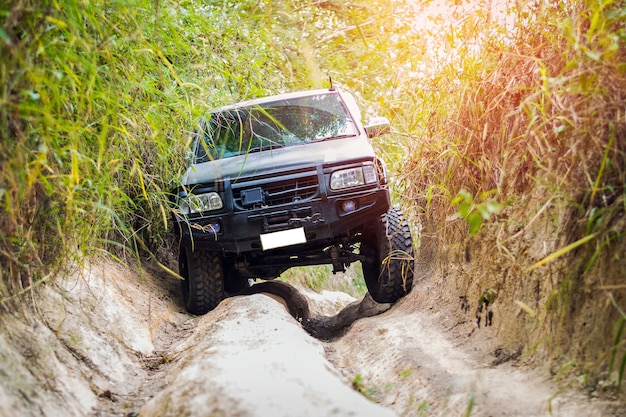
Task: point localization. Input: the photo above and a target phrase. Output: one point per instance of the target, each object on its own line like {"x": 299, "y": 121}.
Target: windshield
{"x": 274, "y": 125}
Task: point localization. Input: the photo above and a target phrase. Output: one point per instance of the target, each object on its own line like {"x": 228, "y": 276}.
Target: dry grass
{"x": 539, "y": 130}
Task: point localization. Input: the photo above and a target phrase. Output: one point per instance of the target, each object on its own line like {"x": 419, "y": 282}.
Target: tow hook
{"x": 312, "y": 219}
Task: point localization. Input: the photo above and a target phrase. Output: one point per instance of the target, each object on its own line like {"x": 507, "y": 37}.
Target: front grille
{"x": 278, "y": 191}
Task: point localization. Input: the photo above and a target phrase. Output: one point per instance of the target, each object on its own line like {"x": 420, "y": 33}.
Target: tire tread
{"x": 205, "y": 286}
{"x": 390, "y": 277}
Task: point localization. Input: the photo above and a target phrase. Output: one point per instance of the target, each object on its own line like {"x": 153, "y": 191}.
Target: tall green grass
{"x": 98, "y": 99}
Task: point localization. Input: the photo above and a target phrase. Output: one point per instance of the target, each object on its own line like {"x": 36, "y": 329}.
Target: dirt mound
{"x": 249, "y": 357}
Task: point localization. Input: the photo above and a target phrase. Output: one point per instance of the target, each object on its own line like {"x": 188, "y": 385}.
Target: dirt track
{"x": 115, "y": 342}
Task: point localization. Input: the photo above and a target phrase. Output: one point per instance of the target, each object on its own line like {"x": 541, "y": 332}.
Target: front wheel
{"x": 203, "y": 284}
{"x": 389, "y": 261}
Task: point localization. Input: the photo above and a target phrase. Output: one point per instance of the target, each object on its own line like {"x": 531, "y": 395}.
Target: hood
{"x": 259, "y": 163}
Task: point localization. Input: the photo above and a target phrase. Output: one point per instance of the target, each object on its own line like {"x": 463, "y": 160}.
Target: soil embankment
{"x": 114, "y": 341}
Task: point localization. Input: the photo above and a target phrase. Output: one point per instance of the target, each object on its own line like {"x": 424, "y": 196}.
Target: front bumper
{"x": 324, "y": 220}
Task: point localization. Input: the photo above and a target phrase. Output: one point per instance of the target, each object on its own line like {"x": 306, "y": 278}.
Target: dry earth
{"x": 112, "y": 340}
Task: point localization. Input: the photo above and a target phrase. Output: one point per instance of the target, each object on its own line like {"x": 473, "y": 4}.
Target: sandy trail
{"x": 408, "y": 362}
{"x": 111, "y": 340}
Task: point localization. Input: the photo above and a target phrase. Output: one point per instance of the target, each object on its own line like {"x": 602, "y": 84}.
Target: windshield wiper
{"x": 263, "y": 148}
{"x": 347, "y": 135}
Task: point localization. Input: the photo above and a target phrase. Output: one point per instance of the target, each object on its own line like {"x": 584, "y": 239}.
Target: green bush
{"x": 98, "y": 99}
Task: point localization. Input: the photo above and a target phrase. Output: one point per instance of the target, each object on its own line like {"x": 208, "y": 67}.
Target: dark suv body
{"x": 285, "y": 181}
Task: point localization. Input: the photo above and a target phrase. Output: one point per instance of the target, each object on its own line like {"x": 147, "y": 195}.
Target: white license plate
{"x": 283, "y": 238}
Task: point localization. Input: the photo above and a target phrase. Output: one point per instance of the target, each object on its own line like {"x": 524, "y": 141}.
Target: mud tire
{"x": 203, "y": 284}
{"x": 389, "y": 264}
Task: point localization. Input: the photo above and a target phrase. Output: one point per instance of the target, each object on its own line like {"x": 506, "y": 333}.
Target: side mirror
{"x": 377, "y": 126}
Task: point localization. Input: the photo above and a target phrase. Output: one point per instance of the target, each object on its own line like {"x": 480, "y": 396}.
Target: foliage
{"x": 373, "y": 393}
{"x": 529, "y": 111}
{"x": 98, "y": 99}
{"x": 321, "y": 277}
{"x": 474, "y": 213}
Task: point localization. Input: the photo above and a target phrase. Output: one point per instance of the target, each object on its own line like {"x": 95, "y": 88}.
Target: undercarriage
{"x": 271, "y": 265}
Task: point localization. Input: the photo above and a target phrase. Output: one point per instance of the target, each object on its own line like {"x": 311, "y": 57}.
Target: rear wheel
{"x": 203, "y": 284}
{"x": 388, "y": 267}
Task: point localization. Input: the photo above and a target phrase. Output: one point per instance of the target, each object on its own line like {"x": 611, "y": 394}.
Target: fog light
{"x": 348, "y": 206}
{"x": 213, "y": 228}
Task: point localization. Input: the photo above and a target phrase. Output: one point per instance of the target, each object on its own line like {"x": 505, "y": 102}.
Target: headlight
{"x": 353, "y": 177}
{"x": 198, "y": 203}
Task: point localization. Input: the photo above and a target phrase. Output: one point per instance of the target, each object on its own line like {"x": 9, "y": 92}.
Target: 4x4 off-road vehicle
{"x": 283, "y": 181}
